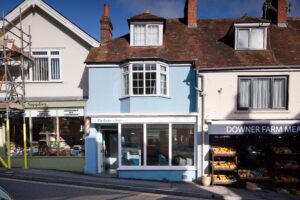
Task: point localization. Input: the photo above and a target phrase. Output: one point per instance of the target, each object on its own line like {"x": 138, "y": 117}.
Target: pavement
{"x": 156, "y": 187}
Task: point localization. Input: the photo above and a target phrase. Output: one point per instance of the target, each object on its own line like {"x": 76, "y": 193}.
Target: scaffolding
{"x": 15, "y": 52}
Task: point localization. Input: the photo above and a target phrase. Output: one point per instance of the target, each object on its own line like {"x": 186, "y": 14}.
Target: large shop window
{"x": 47, "y": 66}
{"x": 51, "y": 136}
{"x": 182, "y": 144}
{"x": 145, "y": 79}
{"x": 262, "y": 93}
{"x": 163, "y": 146}
{"x": 157, "y": 144}
{"x": 48, "y": 141}
{"x": 132, "y": 145}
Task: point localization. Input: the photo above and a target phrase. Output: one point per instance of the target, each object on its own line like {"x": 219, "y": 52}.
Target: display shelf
{"x": 223, "y": 180}
{"x": 227, "y": 164}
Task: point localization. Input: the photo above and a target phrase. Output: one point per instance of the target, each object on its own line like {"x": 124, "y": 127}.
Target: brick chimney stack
{"x": 106, "y": 26}
{"x": 276, "y": 12}
{"x": 190, "y": 13}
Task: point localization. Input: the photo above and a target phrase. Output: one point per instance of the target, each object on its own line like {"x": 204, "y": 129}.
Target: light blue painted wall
{"x": 105, "y": 93}
{"x": 104, "y": 90}
{"x": 91, "y": 155}
{"x": 166, "y": 175}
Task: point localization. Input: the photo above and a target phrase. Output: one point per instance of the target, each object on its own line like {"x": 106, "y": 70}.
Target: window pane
{"x": 261, "y": 93}
{"x": 55, "y": 69}
{"x": 163, "y": 84}
{"x": 279, "y": 94}
{"x": 54, "y": 52}
{"x": 243, "y": 41}
{"x": 139, "y": 34}
{"x": 150, "y": 82}
{"x": 244, "y": 93}
{"x": 152, "y": 35}
{"x": 44, "y": 136}
{"x": 138, "y": 83}
{"x": 39, "y": 53}
{"x": 158, "y": 144}
{"x": 126, "y": 84}
{"x": 71, "y": 140}
{"x": 257, "y": 38}
{"x": 182, "y": 145}
{"x": 132, "y": 145}
{"x": 40, "y": 69}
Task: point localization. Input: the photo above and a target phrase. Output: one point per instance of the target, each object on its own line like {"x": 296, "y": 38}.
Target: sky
{"x": 86, "y": 13}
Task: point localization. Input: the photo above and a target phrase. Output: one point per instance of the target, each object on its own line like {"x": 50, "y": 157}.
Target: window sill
{"x": 127, "y": 97}
{"x": 148, "y": 168}
{"x": 261, "y": 111}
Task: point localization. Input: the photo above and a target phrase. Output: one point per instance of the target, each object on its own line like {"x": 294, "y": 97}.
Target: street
{"x": 32, "y": 190}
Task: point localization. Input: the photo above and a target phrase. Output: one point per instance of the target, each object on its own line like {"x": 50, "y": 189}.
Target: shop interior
{"x": 48, "y": 136}
{"x": 257, "y": 161}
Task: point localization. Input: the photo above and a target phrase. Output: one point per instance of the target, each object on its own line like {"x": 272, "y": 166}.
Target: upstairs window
{"x": 262, "y": 93}
{"x": 47, "y": 66}
{"x": 250, "y": 38}
{"x": 146, "y": 34}
{"x": 145, "y": 79}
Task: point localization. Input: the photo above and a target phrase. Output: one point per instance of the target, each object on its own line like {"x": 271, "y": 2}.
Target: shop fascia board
{"x": 239, "y": 122}
{"x": 58, "y": 104}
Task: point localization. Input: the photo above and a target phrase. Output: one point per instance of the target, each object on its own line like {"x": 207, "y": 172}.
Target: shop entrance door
{"x": 110, "y": 149}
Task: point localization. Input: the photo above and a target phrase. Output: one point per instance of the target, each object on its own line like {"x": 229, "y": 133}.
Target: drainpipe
{"x": 202, "y": 94}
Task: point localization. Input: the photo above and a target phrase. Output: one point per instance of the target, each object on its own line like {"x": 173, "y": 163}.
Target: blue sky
{"x": 86, "y": 13}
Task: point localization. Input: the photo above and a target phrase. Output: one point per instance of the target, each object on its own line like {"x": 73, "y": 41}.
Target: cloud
{"x": 163, "y": 8}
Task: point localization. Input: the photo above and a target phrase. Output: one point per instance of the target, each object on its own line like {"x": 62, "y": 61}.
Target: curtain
{"x": 244, "y": 93}
{"x": 55, "y": 69}
{"x": 40, "y": 69}
{"x": 261, "y": 93}
{"x": 279, "y": 93}
{"x": 139, "y": 34}
{"x": 257, "y": 38}
{"x": 152, "y": 35}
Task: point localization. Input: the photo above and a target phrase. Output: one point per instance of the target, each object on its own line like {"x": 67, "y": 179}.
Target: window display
{"x": 132, "y": 145}
{"x": 158, "y": 144}
{"x": 182, "y": 144}
{"x": 269, "y": 161}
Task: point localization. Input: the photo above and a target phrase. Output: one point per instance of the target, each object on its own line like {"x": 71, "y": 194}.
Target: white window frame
{"x": 147, "y": 24}
{"x": 250, "y": 27}
{"x": 49, "y": 56}
{"x": 158, "y": 78}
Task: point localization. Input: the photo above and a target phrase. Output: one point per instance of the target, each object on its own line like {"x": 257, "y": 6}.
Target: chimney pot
{"x": 106, "y": 26}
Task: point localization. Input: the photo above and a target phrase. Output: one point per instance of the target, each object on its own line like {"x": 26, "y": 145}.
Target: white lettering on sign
{"x": 259, "y": 129}
{"x": 106, "y": 120}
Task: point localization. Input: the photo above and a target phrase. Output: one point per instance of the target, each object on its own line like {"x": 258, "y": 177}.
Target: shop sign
{"x": 42, "y": 113}
{"x": 70, "y": 112}
{"x": 36, "y": 105}
{"x": 106, "y": 120}
{"x": 239, "y": 129}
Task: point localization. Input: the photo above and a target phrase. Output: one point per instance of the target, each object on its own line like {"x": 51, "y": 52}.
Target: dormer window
{"x": 146, "y": 29}
{"x": 146, "y": 34}
{"x": 251, "y": 36}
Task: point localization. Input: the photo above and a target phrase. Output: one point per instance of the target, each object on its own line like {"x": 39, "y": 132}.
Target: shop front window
{"x": 71, "y": 136}
{"x": 61, "y": 136}
{"x": 182, "y": 145}
{"x": 157, "y": 144}
{"x": 132, "y": 145}
{"x": 44, "y": 138}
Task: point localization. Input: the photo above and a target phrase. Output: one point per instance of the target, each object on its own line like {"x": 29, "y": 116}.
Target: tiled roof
{"x": 207, "y": 46}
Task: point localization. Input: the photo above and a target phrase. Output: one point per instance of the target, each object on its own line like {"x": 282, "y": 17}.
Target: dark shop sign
{"x": 240, "y": 129}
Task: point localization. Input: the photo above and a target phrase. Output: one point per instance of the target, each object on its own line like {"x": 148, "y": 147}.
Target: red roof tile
{"x": 207, "y": 46}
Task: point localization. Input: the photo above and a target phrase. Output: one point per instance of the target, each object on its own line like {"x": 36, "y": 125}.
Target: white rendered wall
{"x": 47, "y": 33}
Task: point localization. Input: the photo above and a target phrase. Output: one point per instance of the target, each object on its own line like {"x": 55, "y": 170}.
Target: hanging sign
{"x": 240, "y": 129}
